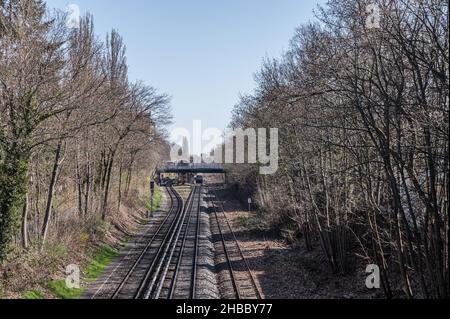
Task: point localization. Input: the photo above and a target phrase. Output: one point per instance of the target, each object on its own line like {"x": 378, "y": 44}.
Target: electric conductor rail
{"x": 151, "y": 285}
{"x": 139, "y": 269}
{"x": 181, "y": 270}
{"x": 163, "y": 277}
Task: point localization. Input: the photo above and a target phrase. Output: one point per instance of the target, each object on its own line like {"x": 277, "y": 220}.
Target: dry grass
{"x": 38, "y": 274}
{"x": 287, "y": 272}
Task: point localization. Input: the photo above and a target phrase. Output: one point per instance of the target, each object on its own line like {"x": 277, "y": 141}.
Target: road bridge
{"x": 190, "y": 169}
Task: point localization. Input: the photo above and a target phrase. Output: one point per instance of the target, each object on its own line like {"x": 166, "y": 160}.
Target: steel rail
{"x": 253, "y": 280}
{"x": 227, "y": 257}
{"x": 174, "y": 246}
{"x": 159, "y": 260}
{"x": 148, "y": 273}
{"x": 196, "y": 249}
{"x": 146, "y": 248}
{"x": 180, "y": 256}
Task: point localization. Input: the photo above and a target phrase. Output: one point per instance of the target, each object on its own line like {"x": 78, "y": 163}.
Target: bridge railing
{"x": 192, "y": 166}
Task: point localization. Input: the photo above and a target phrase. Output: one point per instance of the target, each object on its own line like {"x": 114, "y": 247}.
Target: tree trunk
{"x": 25, "y": 223}
{"x": 13, "y": 188}
{"x": 79, "y": 189}
{"x": 107, "y": 184}
{"x": 37, "y": 220}
{"x": 120, "y": 183}
{"x": 88, "y": 189}
{"x": 51, "y": 190}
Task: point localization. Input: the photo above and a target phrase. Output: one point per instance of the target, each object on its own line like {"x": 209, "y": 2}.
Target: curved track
{"x": 165, "y": 265}
{"x": 132, "y": 284}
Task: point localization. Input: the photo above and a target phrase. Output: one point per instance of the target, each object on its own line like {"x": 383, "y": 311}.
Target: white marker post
{"x": 249, "y": 205}
{"x": 152, "y": 194}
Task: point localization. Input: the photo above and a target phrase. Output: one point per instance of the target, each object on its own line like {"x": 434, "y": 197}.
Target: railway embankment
{"x": 285, "y": 271}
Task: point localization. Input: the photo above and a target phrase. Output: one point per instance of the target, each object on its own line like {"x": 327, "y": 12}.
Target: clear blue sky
{"x": 201, "y": 52}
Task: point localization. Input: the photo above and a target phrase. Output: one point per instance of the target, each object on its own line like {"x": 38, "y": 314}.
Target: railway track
{"x": 107, "y": 287}
{"x": 130, "y": 285}
{"x": 180, "y": 274}
{"x": 242, "y": 279}
{"x": 165, "y": 263}
{"x": 162, "y": 268}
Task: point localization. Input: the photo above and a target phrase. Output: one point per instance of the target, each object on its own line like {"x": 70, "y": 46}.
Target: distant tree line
{"x": 74, "y": 130}
{"x": 363, "y": 113}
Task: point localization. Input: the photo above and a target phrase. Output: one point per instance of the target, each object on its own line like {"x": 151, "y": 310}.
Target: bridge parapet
{"x": 197, "y": 168}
